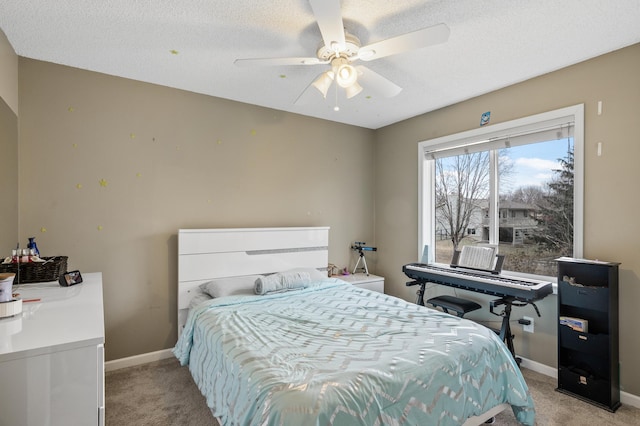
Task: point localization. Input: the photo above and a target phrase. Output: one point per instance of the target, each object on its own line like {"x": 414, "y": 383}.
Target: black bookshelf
{"x": 588, "y": 364}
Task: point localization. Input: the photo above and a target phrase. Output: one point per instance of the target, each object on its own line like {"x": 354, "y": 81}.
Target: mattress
{"x": 336, "y": 354}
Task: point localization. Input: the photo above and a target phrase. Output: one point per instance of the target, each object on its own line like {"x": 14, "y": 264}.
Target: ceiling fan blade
{"x": 402, "y": 43}
{"x": 267, "y": 62}
{"x": 377, "y": 83}
{"x": 329, "y": 17}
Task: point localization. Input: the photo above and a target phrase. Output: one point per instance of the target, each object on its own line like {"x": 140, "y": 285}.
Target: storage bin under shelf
{"x": 596, "y": 298}
{"x": 587, "y": 388}
{"x": 593, "y": 344}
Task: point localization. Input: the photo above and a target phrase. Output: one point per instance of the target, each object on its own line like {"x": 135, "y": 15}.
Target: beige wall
{"x": 170, "y": 159}
{"x": 611, "y": 205}
{"x": 8, "y": 73}
{"x": 8, "y": 147}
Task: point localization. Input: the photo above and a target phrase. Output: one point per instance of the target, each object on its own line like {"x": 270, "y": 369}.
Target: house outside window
{"x": 519, "y": 184}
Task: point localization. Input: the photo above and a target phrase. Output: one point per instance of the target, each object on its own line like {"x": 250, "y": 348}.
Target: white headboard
{"x": 206, "y": 254}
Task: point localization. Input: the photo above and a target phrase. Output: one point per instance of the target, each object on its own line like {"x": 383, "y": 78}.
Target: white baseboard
{"x": 132, "y": 361}
{"x": 630, "y": 399}
{"x": 625, "y": 397}
{"x": 539, "y": 368}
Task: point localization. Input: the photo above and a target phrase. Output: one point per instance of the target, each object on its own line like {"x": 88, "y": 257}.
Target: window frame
{"x": 426, "y": 172}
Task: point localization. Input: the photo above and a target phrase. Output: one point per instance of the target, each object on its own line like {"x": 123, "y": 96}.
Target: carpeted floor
{"x": 162, "y": 393}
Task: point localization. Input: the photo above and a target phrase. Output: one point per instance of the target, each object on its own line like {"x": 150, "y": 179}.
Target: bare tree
{"x": 531, "y": 194}
{"x": 461, "y": 181}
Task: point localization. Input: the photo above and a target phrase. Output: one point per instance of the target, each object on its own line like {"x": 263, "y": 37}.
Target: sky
{"x": 533, "y": 164}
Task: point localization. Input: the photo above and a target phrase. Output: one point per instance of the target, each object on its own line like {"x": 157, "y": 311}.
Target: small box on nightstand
{"x": 370, "y": 282}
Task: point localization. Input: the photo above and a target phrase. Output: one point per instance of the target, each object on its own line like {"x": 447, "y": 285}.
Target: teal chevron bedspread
{"x": 336, "y": 354}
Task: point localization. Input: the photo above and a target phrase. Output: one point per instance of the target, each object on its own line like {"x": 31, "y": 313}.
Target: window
{"x": 518, "y": 184}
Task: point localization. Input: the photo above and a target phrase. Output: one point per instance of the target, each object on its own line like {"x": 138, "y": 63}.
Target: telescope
{"x": 360, "y": 247}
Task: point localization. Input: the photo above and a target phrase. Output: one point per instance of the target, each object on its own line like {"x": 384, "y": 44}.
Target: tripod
{"x": 364, "y": 261}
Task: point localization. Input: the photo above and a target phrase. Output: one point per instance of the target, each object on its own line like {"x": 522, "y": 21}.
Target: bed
{"x": 326, "y": 352}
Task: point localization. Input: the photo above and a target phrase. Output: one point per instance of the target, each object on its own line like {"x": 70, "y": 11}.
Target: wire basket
{"x": 36, "y": 272}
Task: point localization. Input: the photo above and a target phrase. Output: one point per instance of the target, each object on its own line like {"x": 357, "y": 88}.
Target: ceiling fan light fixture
{"x": 346, "y": 74}
{"x": 353, "y": 90}
{"x": 323, "y": 82}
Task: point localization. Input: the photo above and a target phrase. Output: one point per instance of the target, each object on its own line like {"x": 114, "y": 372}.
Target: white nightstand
{"x": 370, "y": 282}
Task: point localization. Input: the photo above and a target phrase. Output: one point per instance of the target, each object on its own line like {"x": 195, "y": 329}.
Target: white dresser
{"x": 52, "y": 356}
{"x": 370, "y": 282}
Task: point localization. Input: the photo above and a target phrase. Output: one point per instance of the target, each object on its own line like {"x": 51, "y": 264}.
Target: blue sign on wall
{"x": 485, "y": 118}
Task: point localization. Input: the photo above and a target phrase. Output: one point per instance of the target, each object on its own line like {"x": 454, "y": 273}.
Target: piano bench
{"x": 455, "y": 304}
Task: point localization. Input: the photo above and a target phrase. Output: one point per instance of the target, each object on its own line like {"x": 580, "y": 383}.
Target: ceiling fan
{"x": 340, "y": 49}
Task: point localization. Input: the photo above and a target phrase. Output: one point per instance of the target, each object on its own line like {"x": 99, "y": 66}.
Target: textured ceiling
{"x": 192, "y": 44}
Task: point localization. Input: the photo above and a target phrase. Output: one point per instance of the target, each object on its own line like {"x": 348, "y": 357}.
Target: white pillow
{"x": 232, "y": 286}
{"x": 198, "y": 297}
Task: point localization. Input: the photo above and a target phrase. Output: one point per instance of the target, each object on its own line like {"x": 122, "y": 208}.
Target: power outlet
{"x": 528, "y": 328}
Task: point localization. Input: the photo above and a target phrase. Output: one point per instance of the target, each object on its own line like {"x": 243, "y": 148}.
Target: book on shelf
{"x": 577, "y": 324}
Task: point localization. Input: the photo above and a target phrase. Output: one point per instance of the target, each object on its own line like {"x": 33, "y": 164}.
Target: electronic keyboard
{"x": 500, "y": 285}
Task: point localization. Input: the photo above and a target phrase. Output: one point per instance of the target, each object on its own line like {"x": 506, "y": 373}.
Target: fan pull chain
{"x": 336, "y": 108}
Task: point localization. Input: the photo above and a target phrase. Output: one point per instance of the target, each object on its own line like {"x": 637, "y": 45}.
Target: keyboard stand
{"x": 505, "y": 328}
